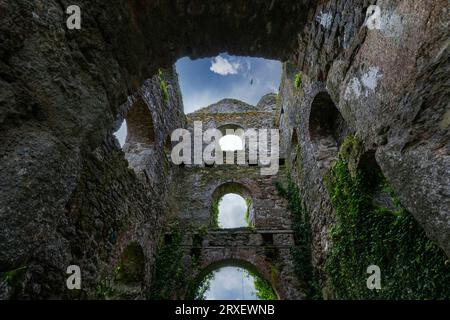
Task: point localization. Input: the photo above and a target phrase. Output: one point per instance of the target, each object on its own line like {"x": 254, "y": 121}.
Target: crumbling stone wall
{"x": 372, "y": 77}
{"x": 266, "y": 251}
{"x": 61, "y": 93}
{"x": 267, "y": 244}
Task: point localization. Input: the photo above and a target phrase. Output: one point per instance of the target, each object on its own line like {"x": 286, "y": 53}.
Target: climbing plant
{"x": 263, "y": 288}
{"x": 215, "y": 213}
{"x": 302, "y": 233}
{"x": 298, "y": 80}
{"x": 171, "y": 277}
{"x": 163, "y": 86}
{"x": 412, "y": 266}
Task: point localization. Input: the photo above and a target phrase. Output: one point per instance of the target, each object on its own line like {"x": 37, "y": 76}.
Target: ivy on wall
{"x": 172, "y": 277}
{"x": 215, "y": 211}
{"x": 367, "y": 233}
{"x": 263, "y": 288}
{"x": 163, "y": 86}
{"x": 301, "y": 252}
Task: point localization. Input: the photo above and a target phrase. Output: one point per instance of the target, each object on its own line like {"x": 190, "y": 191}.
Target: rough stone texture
{"x": 273, "y": 261}
{"x": 391, "y": 88}
{"x": 61, "y": 94}
{"x": 268, "y": 215}
{"x": 115, "y": 203}
{"x": 270, "y": 209}
{"x": 402, "y": 69}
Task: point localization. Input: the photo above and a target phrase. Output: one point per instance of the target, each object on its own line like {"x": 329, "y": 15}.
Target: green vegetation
{"x": 412, "y": 266}
{"x": 298, "y": 80}
{"x": 203, "y": 287}
{"x": 248, "y": 202}
{"x": 105, "y": 289}
{"x": 163, "y": 86}
{"x": 215, "y": 216}
{"x": 14, "y": 277}
{"x": 263, "y": 288}
{"x": 171, "y": 276}
{"x": 302, "y": 233}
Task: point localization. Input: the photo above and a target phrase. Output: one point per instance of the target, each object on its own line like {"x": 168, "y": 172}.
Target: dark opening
{"x": 140, "y": 124}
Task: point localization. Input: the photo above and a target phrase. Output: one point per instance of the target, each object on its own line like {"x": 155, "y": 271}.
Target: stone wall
{"x": 268, "y": 252}
{"x": 62, "y": 92}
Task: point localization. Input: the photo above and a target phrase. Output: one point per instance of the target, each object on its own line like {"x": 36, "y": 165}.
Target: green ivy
{"x": 298, "y": 80}
{"x": 412, "y": 266}
{"x": 163, "y": 85}
{"x": 248, "y": 202}
{"x": 14, "y": 277}
{"x": 302, "y": 233}
{"x": 264, "y": 290}
{"x": 215, "y": 216}
{"x": 171, "y": 278}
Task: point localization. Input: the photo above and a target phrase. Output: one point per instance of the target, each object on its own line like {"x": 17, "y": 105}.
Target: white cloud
{"x": 223, "y": 66}
{"x": 231, "y": 283}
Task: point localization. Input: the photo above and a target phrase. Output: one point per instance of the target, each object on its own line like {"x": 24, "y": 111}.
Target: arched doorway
{"x": 232, "y": 280}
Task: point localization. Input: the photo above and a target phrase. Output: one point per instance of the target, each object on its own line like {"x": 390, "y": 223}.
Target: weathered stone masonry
{"x": 67, "y": 196}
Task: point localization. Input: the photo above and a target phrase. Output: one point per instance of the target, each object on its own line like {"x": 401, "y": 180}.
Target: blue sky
{"x": 231, "y": 283}
{"x": 206, "y": 81}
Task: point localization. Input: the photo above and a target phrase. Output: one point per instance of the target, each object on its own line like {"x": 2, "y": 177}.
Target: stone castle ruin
{"x": 363, "y": 174}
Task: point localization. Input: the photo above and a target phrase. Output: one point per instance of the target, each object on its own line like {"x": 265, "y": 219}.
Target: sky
{"x": 231, "y": 283}
{"x": 208, "y": 80}
{"x": 232, "y": 209}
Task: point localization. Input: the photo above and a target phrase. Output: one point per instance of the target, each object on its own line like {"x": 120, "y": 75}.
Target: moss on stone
{"x": 14, "y": 277}
{"x": 412, "y": 266}
{"x": 301, "y": 252}
{"x": 163, "y": 86}
{"x": 298, "y": 80}
{"x": 171, "y": 277}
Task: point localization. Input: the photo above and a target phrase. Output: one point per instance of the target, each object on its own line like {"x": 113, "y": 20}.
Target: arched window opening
{"x": 232, "y": 212}
{"x": 233, "y": 281}
{"x": 232, "y": 138}
{"x": 231, "y": 142}
{"x": 121, "y": 134}
{"x": 232, "y": 207}
{"x": 140, "y": 124}
{"x": 131, "y": 267}
{"x": 375, "y": 182}
{"x": 327, "y": 129}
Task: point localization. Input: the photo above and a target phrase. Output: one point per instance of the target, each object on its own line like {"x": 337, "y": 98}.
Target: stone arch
{"x": 231, "y": 126}
{"x": 140, "y": 124}
{"x": 232, "y": 187}
{"x": 131, "y": 265}
{"x": 258, "y": 267}
{"x": 374, "y": 180}
{"x": 327, "y": 129}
